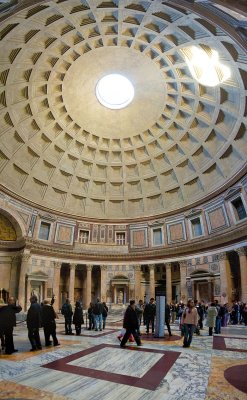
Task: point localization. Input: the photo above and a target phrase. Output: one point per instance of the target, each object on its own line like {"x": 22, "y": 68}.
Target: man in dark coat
{"x": 34, "y": 323}
{"x": 7, "y": 322}
{"x": 48, "y": 316}
{"x": 167, "y": 318}
{"x": 150, "y": 312}
{"x": 78, "y": 319}
{"x": 68, "y": 313}
{"x": 131, "y": 325}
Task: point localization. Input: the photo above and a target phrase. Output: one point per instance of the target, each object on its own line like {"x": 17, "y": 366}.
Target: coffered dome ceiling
{"x": 176, "y": 143}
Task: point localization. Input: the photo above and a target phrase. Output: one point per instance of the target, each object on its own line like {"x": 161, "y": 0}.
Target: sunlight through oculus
{"x": 114, "y": 91}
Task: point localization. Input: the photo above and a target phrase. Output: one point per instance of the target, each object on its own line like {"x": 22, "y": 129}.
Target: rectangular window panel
{"x": 120, "y": 238}
{"x": 44, "y": 230}
{"x": 196, "y": 227}
{"x": 83, "y": 236}
{"x": 157, "y": 237}
{"x": 239, "y": 210}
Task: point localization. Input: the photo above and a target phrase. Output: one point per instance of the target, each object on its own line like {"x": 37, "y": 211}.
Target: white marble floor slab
{"x": 238, "y": 344}
{"x": 119, "y": 361}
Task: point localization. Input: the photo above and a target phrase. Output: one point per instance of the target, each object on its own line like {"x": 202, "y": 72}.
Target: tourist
{"x": 90, "y": 317}
{"x": 139, "y": 313}
{"x": 8, "y": 322}
{"x": 211, "y": 318}
{"x": 189, "y": 321}
{"x": 104, "y": 314}
{"x": 48, "y": 317}
{"x": 34, "y": 323}
{"x": 167, "y": 318}
{"x": 130, "y": 323}
{"x": 67, "y": 313}
{"x": 150, "y": 312}
{"x": 78, "y": 318}
{"x": 97, "y": 312}
{"x": 244, "y": 314}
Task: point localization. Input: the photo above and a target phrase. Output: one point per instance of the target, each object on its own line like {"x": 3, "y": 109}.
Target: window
{"x": 44, "y": 230}
{"x": 83, "y": 236}
{"x": 120, "y": 238}
{"x": 239, "y": 209}
{"x": 196, "y": 227}
{"x": 157, "y": 237}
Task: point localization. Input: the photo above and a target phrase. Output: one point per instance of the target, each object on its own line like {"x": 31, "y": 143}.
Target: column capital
{"x": 89, "y": 267}
{"x": 137, "y": 268}
{"x": 103, "y": 267}
{"x": 242, "y": 251}
{"x": 168, "y": 265}
{"x": 151, "y": 267}
{"x": 57, "y": 264}
{"x": 222, "y": 256}
{"x": 15, "y": 258}
{"x": 183, "y": 263}
{"x": 72, "y": 266}
{"x": 25, "y": 257}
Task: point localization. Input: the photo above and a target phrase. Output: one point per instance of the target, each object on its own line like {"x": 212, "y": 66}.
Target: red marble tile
{"x": 219, "y": 344}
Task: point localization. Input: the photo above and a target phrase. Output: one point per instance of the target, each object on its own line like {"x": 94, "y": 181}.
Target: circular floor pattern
{"x": 236, "y": 376}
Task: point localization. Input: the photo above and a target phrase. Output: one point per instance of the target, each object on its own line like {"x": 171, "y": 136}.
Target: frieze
{"x": 190, "y": 269}
{"x": 214, "y": 267}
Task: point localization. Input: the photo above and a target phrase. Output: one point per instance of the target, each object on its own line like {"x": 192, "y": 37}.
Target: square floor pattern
{"x": 156, "y": 364}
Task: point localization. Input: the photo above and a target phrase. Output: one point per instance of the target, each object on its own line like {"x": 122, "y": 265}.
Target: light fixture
{"x": 205, "y": 66}
{"x": 114, "y": 91}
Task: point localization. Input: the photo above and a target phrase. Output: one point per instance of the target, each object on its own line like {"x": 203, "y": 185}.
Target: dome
{"x": 181, "y": 140}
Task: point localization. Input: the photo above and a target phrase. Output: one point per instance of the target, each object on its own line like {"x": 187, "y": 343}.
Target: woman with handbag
{"x": 189, "y": 322}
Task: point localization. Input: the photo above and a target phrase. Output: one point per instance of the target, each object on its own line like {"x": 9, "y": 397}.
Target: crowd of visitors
{"x": 190, "y": 318}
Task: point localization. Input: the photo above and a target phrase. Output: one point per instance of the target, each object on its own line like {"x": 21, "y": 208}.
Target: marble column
{"x": 45, "y": 290}
{"x": 89, "y": 285}
{"x": 22, "y": 279}
{"x": 103, "y": 276}
{"x": 56, "y": 284}
{"x": 242, "y": 253}
{"x": 168, "y": 283}
{"x": 152, "y": 281}
{"x": 137, "y": 283}
{"x": 72, "y": 268}
{"x": 225, "y": 278}
{"x": 28, "y": 293}
{"x": 183, "y": 287}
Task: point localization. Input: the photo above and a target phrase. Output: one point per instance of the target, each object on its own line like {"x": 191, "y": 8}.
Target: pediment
{"x": 231, "y": 192}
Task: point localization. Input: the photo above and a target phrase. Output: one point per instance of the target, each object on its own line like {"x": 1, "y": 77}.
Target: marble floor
{"x": 92, "y": 366}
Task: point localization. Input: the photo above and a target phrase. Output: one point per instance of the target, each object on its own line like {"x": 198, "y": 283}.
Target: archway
{"x": 120, "y": 289}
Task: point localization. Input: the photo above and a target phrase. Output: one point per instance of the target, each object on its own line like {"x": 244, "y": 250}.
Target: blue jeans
{"x": 98, "y": 321}
{"x": 188, "y": 334}
{"x": 218, "y": 325}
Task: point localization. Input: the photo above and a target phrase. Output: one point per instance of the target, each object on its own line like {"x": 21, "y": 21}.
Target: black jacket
{"x": 78, "y": 316}
{"x": 150, "y": 310}
{"x": 34, "y": 316}
{"x": 48, "y": 316}
{"x": 98, "y": 308}
{"x": 8, "y": 317}
{"x": 130, "y": 319}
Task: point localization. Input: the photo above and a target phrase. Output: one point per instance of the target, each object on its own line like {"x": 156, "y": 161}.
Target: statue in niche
{"x": 120, "y": 297}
